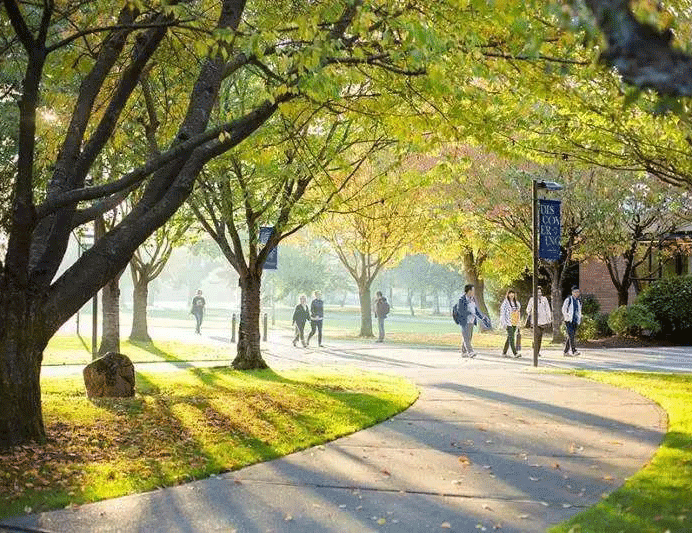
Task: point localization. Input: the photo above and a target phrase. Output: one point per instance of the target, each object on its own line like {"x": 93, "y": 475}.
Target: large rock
{"x": 110, "y": 376}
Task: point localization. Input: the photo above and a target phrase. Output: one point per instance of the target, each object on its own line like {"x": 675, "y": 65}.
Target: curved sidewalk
{"x": 490, "y": 443}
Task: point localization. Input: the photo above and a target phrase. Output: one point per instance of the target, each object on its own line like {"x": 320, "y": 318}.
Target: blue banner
{"x": 549, "y": 229}
{"x": 273, "y": 255}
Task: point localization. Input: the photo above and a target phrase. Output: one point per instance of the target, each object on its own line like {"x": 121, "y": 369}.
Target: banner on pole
{"x": 273, "y": 255}
{"x": 549, "y": 229}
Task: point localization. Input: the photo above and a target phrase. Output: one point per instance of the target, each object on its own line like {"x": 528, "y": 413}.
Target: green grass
{"x": 658, "y": 498}
{"x": 74, "y": 350}
{"x": 185, "y": 425}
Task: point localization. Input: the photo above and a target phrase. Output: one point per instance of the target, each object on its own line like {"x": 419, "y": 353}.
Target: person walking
{"x": 571, "y": 312}
{"x": 510, "y": 311}
{"x": 381, "y": 312}
{"x": 316, "y": 317}
{"x": 301, "y": 315}
{"x": 197, "y": 310}
{"x": 545, "y": 317}
{"x": 468, "y": 313}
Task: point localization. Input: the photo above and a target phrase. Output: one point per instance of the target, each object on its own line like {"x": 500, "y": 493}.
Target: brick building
{"x": 674, "y": 259}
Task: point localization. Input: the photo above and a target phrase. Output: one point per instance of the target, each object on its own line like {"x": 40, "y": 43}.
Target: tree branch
{"x": 642, "y": 54}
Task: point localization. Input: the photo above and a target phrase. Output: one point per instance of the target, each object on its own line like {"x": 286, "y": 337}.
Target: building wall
{"x": 594, "y": 279}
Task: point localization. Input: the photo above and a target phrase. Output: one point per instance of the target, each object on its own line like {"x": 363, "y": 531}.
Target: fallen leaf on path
{"x": 523, "y": 516}
{"x": 464, "y": 460}
{"x": 446, "y": 525}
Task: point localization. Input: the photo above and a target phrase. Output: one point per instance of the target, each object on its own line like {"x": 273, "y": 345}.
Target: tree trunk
{"x": 409, "y": 301}
{"x": 436, "y": 308}
{"x": 556, "y": 297}
{"x": 249, "y": 355}
{"x": 110, "y": 336}
{"x": 471, "y": 272}
{"x": 140, "y": 296}
{"x": 365, "y": 310}
{"x": 21, "y": 418}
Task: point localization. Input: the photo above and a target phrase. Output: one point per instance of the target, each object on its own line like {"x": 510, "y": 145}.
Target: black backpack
{"x": 455, "y": 313}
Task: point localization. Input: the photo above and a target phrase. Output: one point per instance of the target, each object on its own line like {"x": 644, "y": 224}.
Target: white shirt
{"x": 544, "y": 313}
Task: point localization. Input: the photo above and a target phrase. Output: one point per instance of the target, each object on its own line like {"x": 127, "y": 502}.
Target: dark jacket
{"x": 463, "y": 309}
{"x": 381, "y": 307}
{"x": 301, "y": 315}
{"x": 316, "y": 309}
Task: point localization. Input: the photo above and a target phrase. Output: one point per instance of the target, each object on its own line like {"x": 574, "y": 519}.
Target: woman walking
{"x": 300, "y": 316}
{"x": 510, "y": 311}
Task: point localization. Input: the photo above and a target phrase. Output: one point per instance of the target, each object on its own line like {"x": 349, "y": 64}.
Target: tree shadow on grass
{"x": 155, "y": 350}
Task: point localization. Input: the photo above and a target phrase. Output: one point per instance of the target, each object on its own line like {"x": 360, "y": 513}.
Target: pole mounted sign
{"x": 549, "y": 229}
{"x": 273, "y": 256}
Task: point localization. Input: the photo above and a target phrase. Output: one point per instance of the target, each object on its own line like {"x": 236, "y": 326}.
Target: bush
{"x": 602, "y": 327}
{"x": 632, "y": 320}
{"x": 587, "y": 330}
{"x": 590, "y": 306}
{"x": 670, "y": 300}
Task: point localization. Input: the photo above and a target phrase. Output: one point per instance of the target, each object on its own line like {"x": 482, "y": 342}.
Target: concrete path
{"x": 491, "y": 444}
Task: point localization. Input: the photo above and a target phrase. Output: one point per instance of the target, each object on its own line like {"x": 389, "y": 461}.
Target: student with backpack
{"x": 466, "y": 314}
{"x": 381, "y": 312}
{"x": 571, "y": 312}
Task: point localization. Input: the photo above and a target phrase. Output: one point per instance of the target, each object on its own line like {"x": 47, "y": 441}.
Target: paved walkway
{"x": 491, "y": 443}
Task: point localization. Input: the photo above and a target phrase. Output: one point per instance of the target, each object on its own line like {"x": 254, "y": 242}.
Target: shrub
{"x": 602, "y": 327}
{"x": 670, "y": 300}
{"x": 586, "y": 331}
{"x": 632, "y": 320}
{"x": 590, "y": 306}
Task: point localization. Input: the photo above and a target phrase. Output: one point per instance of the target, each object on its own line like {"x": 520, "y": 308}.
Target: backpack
{"x": 455, "y": 313}
{"x": 385, "y": 308}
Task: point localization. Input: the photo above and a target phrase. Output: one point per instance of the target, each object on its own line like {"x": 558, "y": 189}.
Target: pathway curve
{"x": 491, "y": 443}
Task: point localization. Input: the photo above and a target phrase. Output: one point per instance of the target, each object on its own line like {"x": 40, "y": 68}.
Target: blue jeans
{"x": 380, "y": 325}
{"x": 466, "y": 335}
{"x": 571, "y": 328}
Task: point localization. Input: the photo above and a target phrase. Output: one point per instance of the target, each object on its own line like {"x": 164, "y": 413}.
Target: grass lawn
{"x": 658, "y": 498}
{"x": 74, "y": 350}
{"x": 185, "y": 425}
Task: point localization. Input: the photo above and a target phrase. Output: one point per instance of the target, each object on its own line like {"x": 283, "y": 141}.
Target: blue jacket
{"x": 464, "y": 313}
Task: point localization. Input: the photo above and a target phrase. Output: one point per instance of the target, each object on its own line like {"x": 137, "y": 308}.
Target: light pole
{"x": 550, "y": 186}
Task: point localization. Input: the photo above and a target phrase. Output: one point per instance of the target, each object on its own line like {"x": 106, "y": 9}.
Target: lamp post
{"x": 550, "y": 186}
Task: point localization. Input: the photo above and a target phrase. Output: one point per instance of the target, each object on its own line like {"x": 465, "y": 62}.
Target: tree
{"x": 386, "y": 214}
{"x": 101, "y": 53}
{"x": 146, "y": 265}
{"x": 629, "y": 224}
{"x": 301, "y": 164}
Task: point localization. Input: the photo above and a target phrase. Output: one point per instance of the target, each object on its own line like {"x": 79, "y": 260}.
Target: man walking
{"x": 197, "y": 310}
{"x": 316, "y": 317}
{"x": 468, "y": 312}
{"x": 571, "y": 312}
{"x": 381, "y": 312}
